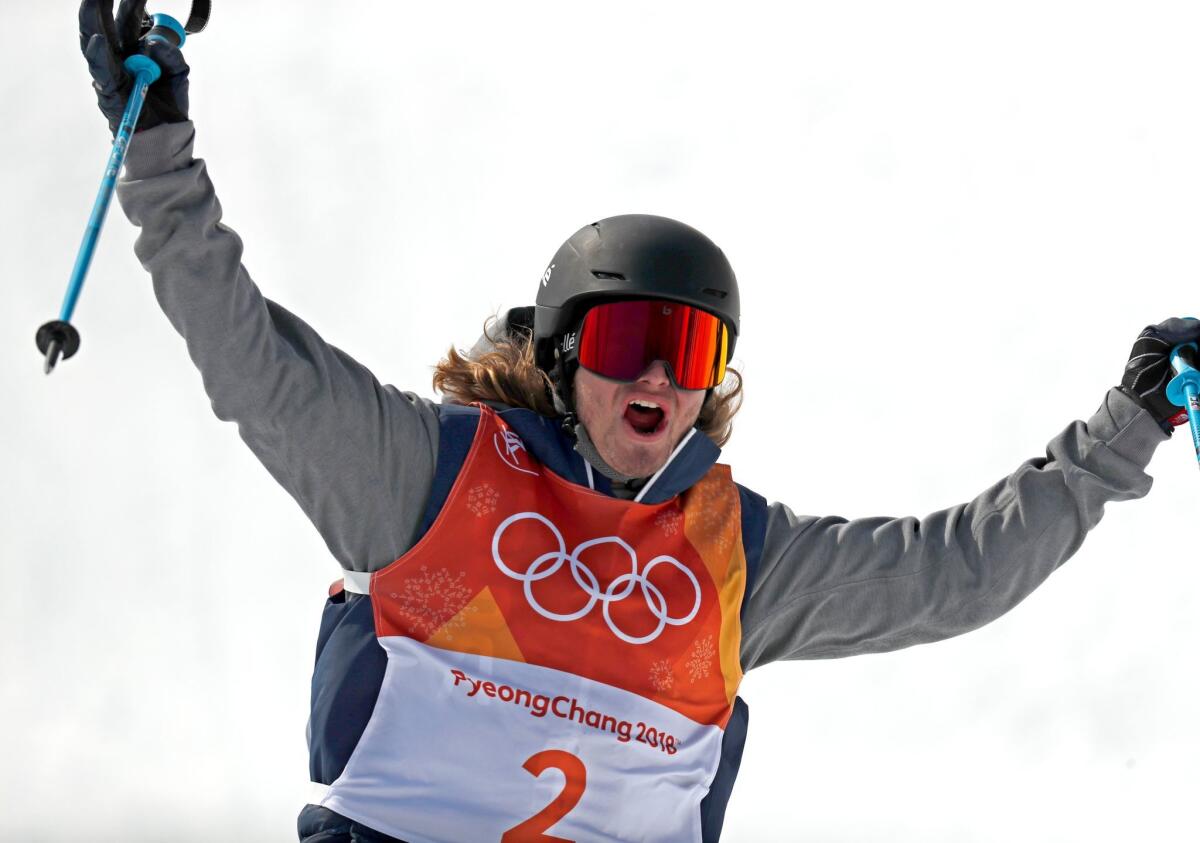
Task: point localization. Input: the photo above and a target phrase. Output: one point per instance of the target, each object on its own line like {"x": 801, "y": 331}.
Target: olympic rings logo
{"x": 620, "y": 588}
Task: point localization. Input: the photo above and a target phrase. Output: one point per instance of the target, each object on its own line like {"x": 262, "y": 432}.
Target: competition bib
{"x": 561, "y": 664}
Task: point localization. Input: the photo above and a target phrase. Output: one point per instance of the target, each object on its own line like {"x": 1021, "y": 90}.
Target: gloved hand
{"x": 107, "y": 43}
{"x": 1149, "y": 368}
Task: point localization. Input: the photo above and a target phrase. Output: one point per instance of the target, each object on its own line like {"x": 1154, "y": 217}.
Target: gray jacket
{"x": 358, "y": 455}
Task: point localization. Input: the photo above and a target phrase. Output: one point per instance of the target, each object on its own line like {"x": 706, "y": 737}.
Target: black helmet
{"x": 628, "y": 257}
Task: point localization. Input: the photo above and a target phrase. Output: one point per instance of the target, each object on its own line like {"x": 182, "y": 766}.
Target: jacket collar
{"x": 545, "y": 439}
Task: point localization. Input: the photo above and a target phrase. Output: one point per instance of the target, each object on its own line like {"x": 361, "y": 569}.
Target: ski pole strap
{"x": 199, "y": 15}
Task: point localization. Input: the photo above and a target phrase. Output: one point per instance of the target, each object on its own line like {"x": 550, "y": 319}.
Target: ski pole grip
{"x": 143, "y": 67}
{"x": 1186, "y": 376}
{"x": 1184, "y": 389}
{"x": 165, "y": 28}
{"x": 162, "y": 28}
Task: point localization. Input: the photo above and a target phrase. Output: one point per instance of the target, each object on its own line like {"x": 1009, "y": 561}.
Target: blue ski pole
{"x": 59, "y": 338}
{"x": 1184, "y": 390}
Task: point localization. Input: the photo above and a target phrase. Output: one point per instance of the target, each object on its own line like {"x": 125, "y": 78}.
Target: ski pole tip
{"x": 52, "y": 356}
{"x": 57, "y": 340}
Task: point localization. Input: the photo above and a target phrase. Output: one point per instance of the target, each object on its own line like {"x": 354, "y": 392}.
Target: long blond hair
{"x": 508, "y": 373}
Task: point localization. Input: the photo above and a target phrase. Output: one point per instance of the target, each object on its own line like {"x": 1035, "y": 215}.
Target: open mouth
{"x": 645, "y": 417}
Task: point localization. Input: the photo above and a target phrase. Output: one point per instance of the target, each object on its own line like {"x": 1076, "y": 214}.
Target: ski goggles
{"x": 620, "y": 340}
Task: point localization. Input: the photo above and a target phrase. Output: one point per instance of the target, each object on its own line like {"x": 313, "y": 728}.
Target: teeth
{"x": 649, "y": 405}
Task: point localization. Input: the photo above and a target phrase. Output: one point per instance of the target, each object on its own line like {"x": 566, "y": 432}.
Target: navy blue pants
{"x": 321, "y": 825}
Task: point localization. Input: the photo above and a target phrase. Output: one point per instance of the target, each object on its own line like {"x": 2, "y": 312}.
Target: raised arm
{"x": 828, "y": 587}
{"x": 357, "y": 456}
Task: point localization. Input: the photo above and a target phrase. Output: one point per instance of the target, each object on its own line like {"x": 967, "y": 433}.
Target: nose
{"x": 656, "y": 375}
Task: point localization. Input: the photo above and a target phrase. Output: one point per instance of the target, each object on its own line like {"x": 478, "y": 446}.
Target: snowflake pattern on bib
{"x": 670, "y": 521}
{"x": 434, "y": 600}
{"x": 661, "y": 676}
{"x": 708, "y": 515}
{"x": 482, "y": 499}
{"x": 700, "y": 659}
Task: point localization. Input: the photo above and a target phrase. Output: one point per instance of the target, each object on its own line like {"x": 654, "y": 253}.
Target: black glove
{"x": 1149, "y": 368}
{"x": 107, "y": 43}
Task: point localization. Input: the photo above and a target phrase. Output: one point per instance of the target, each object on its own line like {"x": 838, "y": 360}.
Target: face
{"x": 635, "y": 425}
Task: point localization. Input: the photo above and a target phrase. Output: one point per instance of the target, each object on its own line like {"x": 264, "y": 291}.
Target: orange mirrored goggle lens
{"x": 622, "y": 339}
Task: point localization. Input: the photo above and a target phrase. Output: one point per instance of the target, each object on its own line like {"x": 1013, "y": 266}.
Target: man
{"x": 550, "y": 597}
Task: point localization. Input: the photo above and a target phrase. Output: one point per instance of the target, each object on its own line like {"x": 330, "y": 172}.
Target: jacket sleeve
{"x": 356, "y": 455}
{"x": 828, "y": 587}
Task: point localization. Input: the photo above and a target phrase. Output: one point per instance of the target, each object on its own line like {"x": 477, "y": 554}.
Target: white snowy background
{"x": 949, "y": 220}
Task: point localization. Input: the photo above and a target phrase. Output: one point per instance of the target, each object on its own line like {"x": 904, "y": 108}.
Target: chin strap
{"x": 569, "y": 423}
{"x": 564, "y": 394}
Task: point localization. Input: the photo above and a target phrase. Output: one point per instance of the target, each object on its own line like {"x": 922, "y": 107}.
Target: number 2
{"x": 533, "y": 830}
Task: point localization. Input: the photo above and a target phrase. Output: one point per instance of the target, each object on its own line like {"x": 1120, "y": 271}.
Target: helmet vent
{"x": 608, "y": 276}
{"x": 718, "y": 293}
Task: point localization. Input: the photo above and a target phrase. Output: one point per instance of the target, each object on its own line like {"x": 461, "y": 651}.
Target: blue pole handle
{"x": 1184, "y": 390}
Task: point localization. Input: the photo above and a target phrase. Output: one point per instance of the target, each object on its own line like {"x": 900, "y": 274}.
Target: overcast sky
{"x": 949, "y": 221}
